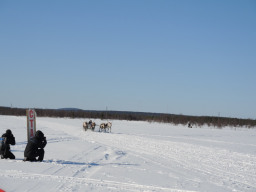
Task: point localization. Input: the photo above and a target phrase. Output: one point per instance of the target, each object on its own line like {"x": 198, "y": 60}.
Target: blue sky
{"x": 170, "y": 56}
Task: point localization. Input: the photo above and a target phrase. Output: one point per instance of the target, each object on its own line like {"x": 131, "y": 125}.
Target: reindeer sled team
{"x": 106, "y": 127}
{"x": 89, "y": 125}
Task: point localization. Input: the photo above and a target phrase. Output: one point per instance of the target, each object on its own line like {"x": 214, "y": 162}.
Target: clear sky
{"x": 191, "y": 57}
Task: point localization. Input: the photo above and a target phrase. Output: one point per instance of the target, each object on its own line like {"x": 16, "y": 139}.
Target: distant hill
{"x": 70, "y": 109}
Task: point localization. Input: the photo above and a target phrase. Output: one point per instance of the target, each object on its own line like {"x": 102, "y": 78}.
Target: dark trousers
{"x": 39, "y": 154}
{"x": 8, "y": 154}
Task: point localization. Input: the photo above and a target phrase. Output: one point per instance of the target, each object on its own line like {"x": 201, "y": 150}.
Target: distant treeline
{"x": 135, "y": 116}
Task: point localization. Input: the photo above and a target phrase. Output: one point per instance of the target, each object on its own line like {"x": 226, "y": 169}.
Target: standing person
{"x": 35, "y": 147}
{"x": 9, "y": 139}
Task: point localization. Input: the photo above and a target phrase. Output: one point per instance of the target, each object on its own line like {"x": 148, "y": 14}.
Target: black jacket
{"x": 33, "y": 145}
{"x": 10, "y": 140}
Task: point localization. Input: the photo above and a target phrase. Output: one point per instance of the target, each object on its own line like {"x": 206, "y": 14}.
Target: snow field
{"x": 136, "y": 156}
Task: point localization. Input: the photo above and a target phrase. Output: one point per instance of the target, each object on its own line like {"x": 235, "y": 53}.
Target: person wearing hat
{"x": 6, "y": 149}
{"x": 35, "y": 147}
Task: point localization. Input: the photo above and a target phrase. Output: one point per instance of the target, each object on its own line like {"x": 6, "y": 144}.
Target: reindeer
{"x": 105, "y": 126}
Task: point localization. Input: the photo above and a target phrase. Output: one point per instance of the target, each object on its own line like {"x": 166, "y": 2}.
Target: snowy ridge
{"x": 136, "y": 156}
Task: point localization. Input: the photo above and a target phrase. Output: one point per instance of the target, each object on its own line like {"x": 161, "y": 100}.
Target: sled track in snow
{"x": 215, "y": 165}
{"x": 74, "y": 181}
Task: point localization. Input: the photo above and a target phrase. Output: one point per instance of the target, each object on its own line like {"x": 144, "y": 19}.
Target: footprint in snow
{"x": 106, "y": 156}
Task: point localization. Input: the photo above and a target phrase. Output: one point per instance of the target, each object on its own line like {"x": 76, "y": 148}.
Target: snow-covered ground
{"x": 136, "y": 156}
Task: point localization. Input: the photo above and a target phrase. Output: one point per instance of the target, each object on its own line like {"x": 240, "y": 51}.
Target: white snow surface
{"x": 135, "y": 156}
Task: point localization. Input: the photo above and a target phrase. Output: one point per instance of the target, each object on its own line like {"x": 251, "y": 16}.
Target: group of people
{"x": 34, "y": 150}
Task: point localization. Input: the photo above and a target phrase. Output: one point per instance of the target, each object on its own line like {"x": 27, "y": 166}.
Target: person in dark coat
{"x": 9, "y": 140}
{"x": 35, "y": 148}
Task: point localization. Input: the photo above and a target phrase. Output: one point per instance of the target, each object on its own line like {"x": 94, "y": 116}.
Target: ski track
{"x": 201, "y": 160}
{"x": 102, "y": 184}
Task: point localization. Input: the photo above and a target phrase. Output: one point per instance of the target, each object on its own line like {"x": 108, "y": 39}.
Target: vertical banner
{"x": 31, "y": 123}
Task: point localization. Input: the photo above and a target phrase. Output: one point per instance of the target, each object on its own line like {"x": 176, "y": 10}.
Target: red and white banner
{"x": 31, "y": 123}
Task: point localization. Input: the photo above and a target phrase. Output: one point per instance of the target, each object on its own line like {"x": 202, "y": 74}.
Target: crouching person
{"x": 8, "y": 139}
{"x": 34, "y": 150}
